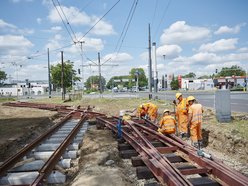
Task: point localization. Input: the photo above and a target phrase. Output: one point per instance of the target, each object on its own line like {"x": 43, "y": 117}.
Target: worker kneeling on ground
{"x": 181, "y": 114}
{"x": 148, "y": 111}
{"x": 195, "y": 121}
{"x": 167, "y": 124}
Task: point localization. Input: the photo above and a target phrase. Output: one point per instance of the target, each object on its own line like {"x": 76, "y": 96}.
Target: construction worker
{"x": 167, "y": 124}
{"x": 148, "y": 111}
{"x": 181, "y": 114}
{"x": 195, "y": 121}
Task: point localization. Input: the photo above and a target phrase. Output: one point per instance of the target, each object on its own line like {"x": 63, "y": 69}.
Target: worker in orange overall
{"x": 148, "y": 111}
{"x": 195, "y": 121}
{"x": 181, "y": 114}
{"x": 167, "y": 124}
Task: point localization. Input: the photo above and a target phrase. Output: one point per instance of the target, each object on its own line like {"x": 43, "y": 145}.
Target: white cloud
{"x": 56, "y": 28}
{"x": 170, "y": 51}
{"x": 3, "y": 24}
{"x": 14, "y": 45}
{"x": 229, "y": 30}
{"x": 73, "y": 14}
{"x": 17, "y": 1}
{"x": 103, "y": 28}
{"x": 244, "y": 49}
{"x": 205, "y": 58}
{"x": 180, "y": 32}
{"x": 39, "y": 20}
{"x": 75, "y": 17}
{"x": 220, "y": 45}
{"x": 10, "y": 28}
{"x": 117, "y": 58}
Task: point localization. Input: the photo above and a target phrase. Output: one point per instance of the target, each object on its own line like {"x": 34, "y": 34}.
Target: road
{"x": 239, "y": 100}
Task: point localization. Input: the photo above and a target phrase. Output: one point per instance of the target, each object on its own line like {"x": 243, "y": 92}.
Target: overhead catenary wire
{"x": 63, "y": 21}
{"x": 125, "y": 25}
{"x": 162, "y": 18}
{"x": 154, "y": 13}
{"x": 99, "y": 20}
{"x": 67, "y": 21}
{"x": 130, "y": 20}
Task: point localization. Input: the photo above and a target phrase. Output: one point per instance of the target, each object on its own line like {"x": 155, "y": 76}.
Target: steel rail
{"x": 174, "y": 177}
{"x": 54, "y": 158}
{"x": 224, "y": 173}
{"x": 161, "y": 167}
{"x": 15, "y": 158}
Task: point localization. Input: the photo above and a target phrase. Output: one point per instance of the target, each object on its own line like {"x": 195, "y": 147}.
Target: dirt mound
{"x": 100, "y": 163}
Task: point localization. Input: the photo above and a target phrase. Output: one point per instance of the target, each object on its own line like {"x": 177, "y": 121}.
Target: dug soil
{"x": 19, "y": 126}
{"x": 100, "y": 163}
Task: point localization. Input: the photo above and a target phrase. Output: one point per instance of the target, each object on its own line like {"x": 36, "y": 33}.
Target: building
{"x": 24, "y": 89}
{"x": 230, "y": 82}
{"x": 196, "y": 84}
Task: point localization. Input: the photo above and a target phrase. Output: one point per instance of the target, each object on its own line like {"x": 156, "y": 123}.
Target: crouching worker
{"x": 167, "y": 124}
{"x": 147, "y": 111}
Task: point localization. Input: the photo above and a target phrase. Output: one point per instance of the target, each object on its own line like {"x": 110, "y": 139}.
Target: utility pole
{"x": 155, "y": 68}
{"x": 62, "y": 76}
{"x": 49, "y": 77}
{"x": 150, "y": 63}
{"x": 99, "y": 71}
{"x": 99, "y": 65}
{"x": 81, "y": 46}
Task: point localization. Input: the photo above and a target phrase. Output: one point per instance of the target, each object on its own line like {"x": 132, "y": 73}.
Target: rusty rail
{"x": 14, "y": 159}
{"x": 52, "y": 161}
{"x": 137, "y": 135}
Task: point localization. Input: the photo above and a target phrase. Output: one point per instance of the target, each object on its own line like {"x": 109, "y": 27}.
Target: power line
{"x": 100, "y": 19}
{"x": 165, "y": 11}
{"x": 130, "y": 20}
{"x": 154, "y": 13}
{"x": 129, "y": 14}
{"x": 63, "y": 21}
{"x": 67, "y": 20}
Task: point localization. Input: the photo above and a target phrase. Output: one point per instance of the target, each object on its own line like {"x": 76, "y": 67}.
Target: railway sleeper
{"x": 144, "y": 172}
{"x": 27, "y": 178}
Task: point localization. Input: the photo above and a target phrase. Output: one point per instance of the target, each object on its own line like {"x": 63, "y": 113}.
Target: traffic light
{"x": 216, "y": 70}
{"x": 78, "y": 71}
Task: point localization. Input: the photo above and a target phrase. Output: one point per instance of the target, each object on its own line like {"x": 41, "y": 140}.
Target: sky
{"x": 191, "y": 36}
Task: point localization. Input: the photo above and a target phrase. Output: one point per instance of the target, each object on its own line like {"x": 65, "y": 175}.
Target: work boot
{"x": 200, "y": 143}
{"x": 195, "y": 144}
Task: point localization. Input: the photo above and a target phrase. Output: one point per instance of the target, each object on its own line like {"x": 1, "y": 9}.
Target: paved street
{"x": 239, "y": 100}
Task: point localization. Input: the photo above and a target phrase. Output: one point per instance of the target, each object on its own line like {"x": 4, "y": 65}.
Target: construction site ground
{"x": 99, "y": 161}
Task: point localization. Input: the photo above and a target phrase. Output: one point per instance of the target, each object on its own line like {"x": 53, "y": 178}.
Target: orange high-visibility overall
{"x": 167, "y": 125}
{"x": 195, "y": 124}
{"x": 182, "y": 115}
{"x": 149, "y": 109}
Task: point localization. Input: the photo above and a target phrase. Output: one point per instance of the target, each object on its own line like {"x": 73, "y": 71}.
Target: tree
{"x": 69, "y": 74}
{"x": 3, "y": 76}
{"x": 142, "y": 77}
{"x": 113, "y": 81}
{"x": 233, "y": 70}
{"x": 205, "y": 77}
{"x": 189, "y": 75}
{"x": 174, "y": 83}
{"x": 92, "y": 83}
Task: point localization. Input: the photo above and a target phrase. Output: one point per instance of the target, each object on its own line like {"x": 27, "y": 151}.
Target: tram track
{"x": 167, "y": 158}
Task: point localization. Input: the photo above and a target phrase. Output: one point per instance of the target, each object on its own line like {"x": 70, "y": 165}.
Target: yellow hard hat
{"x": 190, "y": 98}
{"x": 166, "y": 110}
{"x": 178, "y": 95}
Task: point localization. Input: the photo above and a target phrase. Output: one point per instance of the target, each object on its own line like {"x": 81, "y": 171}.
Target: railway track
{"x": 168, "y": 158}
{"x": 47, "y": 157}
{"x": 165, "y": 157}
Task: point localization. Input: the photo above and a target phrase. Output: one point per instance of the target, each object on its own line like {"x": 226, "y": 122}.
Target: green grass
{"x": 4, "y": 99}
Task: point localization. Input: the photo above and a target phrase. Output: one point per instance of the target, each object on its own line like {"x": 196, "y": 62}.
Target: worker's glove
{"x": 174, "y": 102}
